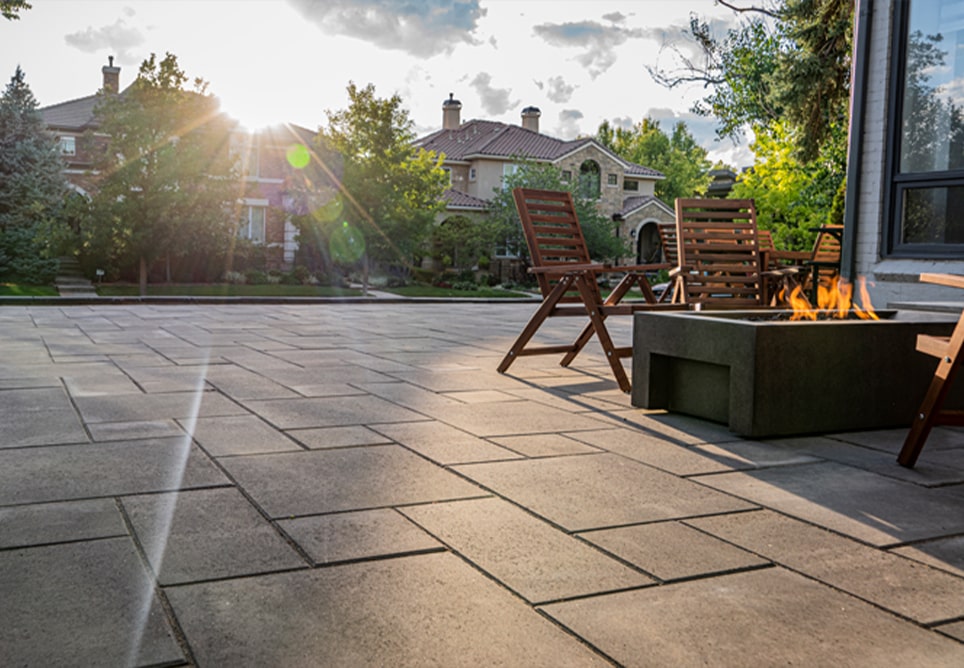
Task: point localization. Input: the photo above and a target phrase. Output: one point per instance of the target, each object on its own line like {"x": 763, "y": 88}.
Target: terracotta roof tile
{"x": 456, "y": 199}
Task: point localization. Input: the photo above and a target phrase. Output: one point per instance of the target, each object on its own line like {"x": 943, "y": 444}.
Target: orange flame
{"x": 834, "y": 300}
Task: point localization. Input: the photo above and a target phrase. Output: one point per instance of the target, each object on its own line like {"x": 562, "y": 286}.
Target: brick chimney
{"x": 530, "y": 118}
{"x": 111, "y": 76}
{"x": 450, "y": 113}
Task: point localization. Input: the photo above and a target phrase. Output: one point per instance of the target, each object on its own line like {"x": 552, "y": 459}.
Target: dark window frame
{"x": 896, "y": 184}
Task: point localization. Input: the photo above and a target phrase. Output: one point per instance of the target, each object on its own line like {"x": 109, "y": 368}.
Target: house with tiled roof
{"x": 480, "y": 153}
{"x": 266, "y": 173}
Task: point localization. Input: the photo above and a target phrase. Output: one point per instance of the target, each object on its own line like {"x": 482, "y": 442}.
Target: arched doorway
{"x": 649, "y": 248}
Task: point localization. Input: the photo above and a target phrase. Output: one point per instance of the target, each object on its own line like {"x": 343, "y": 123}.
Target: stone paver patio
{"x": 355, "y": 485}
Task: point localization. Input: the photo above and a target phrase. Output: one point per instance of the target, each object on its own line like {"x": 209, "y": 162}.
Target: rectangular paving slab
{"x": 534, "y": 559}
{"x": 37, "y": 524}
{"x": 206, "y": 534}
{"x": 330, "y": 411}
{"x": 367, "y": 534}
{"x": 90, "y": 603}
{"x": 869, "y": 507}
{"x": 414, "y": 611}
{"x": 63, "y": 472}
{"x": 326, "y": 481}
{"x": 443, "y": 443}
{"x": 597, "y": 491}
{"x": 766, "y": 617}
{"x": 906, "y": 587}
{"x": 673, "y": 551}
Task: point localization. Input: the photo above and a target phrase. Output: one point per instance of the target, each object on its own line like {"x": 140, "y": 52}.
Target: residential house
{"x": 268, "y": 178}
{"x": 905, "y": 198}
{"x": 480, "y": 153}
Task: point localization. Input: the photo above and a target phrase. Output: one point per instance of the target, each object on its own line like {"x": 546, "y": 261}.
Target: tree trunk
{"x": 365, "y": 275}
{"x": 143, "y": 277}
{"x": 167, "y": 268}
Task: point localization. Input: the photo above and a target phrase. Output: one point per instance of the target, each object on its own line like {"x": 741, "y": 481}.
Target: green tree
{"x": 678, "y": 156}
{"x": 792, "y": 197}
{"x": 168, "y": 185}
{"x": 391, "y": 193}
{"x": 32, "y": 185}
{"x": 598, "y": 230}
{"x": 10, "y": 9}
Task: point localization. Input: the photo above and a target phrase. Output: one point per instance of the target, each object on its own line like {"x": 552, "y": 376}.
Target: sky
{"x": 269, "y": 61}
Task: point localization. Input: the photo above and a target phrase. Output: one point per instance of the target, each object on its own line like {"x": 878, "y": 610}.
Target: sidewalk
{"x": 355, "y": 485}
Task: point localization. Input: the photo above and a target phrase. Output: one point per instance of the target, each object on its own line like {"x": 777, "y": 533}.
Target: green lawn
{"x": 17, "y": 290}
{"x": 227, "y": 290}
{"x": 432, "y": 291}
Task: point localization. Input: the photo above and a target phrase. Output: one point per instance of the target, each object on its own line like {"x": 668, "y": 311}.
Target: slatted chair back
{"x": 552, "y": 235}
{"x": 667, "y": 240}
{"x": 719, "y": 253}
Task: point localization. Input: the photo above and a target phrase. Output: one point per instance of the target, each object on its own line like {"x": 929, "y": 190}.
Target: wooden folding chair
{"x": 568, "y": 281}
{"x": 948, "y": 350}
{"x": 668, "y": 245}
{"x": 720, "y": 264}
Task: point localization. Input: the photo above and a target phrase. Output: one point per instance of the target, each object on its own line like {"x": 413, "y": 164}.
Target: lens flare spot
{"x": 329, "y": 211}
{"x": 346, "y": 243}
{"x": 298, "y": 156}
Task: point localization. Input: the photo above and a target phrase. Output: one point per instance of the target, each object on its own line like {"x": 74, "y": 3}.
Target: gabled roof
{"x": 456, "y": 199}
{"x": 490, "y": 139}
{"x": 71, "y": 115}
{"x": 633, "y": 204}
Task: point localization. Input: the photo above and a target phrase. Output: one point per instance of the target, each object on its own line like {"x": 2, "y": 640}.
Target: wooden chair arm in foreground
{"x": 948, "y": 350}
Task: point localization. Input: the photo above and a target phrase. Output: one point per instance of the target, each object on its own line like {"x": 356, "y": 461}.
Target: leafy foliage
{"x": 598, "y": 230}
{"x": 10, "y": 9}
{"x": 678, "y": 156}
{"x": 793, "y": 198}
{"x": 391, "y": 193}
{"x": 168, "y": 185}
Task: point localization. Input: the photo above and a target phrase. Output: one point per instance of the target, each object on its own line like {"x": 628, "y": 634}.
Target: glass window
{"x": 472, "y": 173}
{"x": 253, "y": 224}
{"x": 589, "y": 179}
{"x": 612, "y": 180}
{"x": 630, "y": 185}
{"x": 566, "y": 176}
{"x": 928, "y": 165}
{"x": 68, "y": 146}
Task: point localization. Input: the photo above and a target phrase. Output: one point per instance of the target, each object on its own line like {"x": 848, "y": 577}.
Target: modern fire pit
{"x": 765, "y": 376}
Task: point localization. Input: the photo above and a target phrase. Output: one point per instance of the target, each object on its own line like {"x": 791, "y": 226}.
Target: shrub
{"x": 256, "y": 277}
{"x": 235, "y": 277}
{"x": 464, "y": 285}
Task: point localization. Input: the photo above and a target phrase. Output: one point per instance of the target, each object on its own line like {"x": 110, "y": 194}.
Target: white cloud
{"x": 598, "y": 40}
{"x": 119, "y": 38}
{"x": 568, "y": 127}
{"x": 424, "y": 28}
{"x": 558, "y": 90}
{"x": 495, "y": 101}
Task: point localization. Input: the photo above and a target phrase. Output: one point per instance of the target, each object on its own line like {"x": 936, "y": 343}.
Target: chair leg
{"x": 929, "y": 413}
{"x": 614, "y": 298}
{"x": 548, "y": 304}
{"x": 597, "y": 324}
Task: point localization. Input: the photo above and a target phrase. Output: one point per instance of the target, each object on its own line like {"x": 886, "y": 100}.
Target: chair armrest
{"x": 637, "y": 268}
{"x": 568, "y": 268}
{"x": 949, "y": 280}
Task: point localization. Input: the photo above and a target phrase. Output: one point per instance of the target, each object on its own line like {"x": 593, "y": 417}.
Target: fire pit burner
{"x": 775, "y": 377}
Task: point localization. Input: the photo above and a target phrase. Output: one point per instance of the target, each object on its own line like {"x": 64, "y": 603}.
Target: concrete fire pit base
{"x": 779, "y": 378}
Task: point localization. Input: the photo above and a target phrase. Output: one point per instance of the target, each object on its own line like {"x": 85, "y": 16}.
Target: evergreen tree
{"x": 168, "y": 183}
{"x": 32, "y": 186}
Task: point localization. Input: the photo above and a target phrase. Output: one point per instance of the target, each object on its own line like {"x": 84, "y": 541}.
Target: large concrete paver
{"x": 444, "y": 444}
{"x": 88, "y": 603}
{"x": 238, "y": 435}
{"x": 60, "y": 472}
{"x": 367, "y": 534}
{"x": 206, "y": 534}
{"x": 330, "y": 411}
{"x": 866, "y": 506}
{"x": 766, "y": 617}
{"x": 673, "y": 551}
{"x": 906, "y": 587}
{"x": 43, "y": 523}
{"x": 598, "y": 491}
{"x": 326, "y": 481}
{"x": 413, "y": 611}
{"x": 535, "y": 560}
